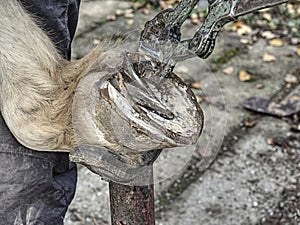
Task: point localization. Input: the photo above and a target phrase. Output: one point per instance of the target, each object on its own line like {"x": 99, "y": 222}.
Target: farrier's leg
{"x": 58, "y": 18}
{"x": 37, "y": 187}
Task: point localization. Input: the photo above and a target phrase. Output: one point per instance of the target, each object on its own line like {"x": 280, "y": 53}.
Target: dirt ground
{"x": 255, "y": 177}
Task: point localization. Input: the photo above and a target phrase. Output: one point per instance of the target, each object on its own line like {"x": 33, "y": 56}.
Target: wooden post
{"x": 132, "y": 205}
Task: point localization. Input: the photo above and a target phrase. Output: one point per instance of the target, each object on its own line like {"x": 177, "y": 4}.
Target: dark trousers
{"x": 37, "y": 187}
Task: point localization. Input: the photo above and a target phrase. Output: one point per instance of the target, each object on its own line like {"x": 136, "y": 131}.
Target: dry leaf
{"x": 244, "y": 76}
{"x": 259, "y": 86}
{"x": 267, "y": 16}
{"x": 130, "y": 15}
{"x": 111, "y": 17}
{"x": 245, "y": 41}
{"x": 241, "y": 28}
{"x": 270, "y": 141}
{"x": 194, "y": 16}
{"x": 195, "y": 21}
{"x": 236, "y": 25}
{"x": 96, "y": 41}
{"x": 146, "y": 11}
{"x": 163, "y": 5}
{"x": 294, "y": 40}
{"x": 249, "y": 123}
{"x": 119, "y": 12}
{"x": 290, "y": 8}
{"x": 195, "y": 85}
{"x": 229, "y": 70}
{"x": 288, "y": 86}
{"x": 294, "y": 98}
{"x": 244, "y": 30}
{"x": 269, "y": 58}
{"x": 128, "y": 11}
{"x": 268, "y": 35}
{"x": 264, "y": 10}
{"x": 130, "y": 22}
{"x": 137, "y": 5}
{"x": 290, "y": 79}
{"x": 276, "y": 43}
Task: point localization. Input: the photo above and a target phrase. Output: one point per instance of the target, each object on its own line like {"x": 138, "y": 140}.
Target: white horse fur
{"x": 36, "y": 84}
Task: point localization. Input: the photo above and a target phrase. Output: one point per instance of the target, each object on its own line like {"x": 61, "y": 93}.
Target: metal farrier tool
{"x": 142, "y": 106}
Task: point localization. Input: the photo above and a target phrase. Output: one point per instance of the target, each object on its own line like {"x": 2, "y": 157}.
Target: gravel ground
{"x": 255, "y": 179}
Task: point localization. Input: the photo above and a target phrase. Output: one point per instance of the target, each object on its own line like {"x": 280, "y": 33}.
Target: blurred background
{"x": 255, "y": 177}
